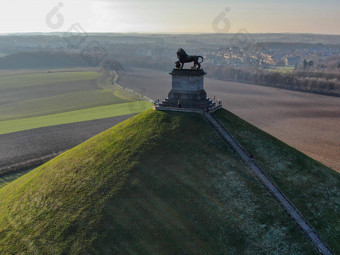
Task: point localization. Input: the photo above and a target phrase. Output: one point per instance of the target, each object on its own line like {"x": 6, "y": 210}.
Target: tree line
{"x": 319, "y": 82}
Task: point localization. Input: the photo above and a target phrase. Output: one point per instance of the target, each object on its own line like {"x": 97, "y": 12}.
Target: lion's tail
{"x": 201, "y": 58}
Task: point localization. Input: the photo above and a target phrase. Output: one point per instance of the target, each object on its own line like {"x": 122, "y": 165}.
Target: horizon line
{"x": 173, "y": 33}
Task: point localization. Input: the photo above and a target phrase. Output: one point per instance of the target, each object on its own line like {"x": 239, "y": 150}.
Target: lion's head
{"x": 181, "y": 54}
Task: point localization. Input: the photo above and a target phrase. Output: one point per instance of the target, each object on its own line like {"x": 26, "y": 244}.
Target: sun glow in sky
{"x": 173, "y": 16}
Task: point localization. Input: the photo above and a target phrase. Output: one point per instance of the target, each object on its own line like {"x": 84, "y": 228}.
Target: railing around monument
{"x": 216, "y": 102}
{"x": 214, "y": 105}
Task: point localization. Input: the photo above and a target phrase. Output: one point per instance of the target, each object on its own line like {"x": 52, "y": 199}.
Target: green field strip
{"x": 4, "y": 180}
{"x": 58, "y": 104}
{"x": 282, "y": 69}
{"x": 27, "y": 80}
{"x": 100, "y": 112}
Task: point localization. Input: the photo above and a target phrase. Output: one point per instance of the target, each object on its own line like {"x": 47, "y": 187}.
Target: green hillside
{"x": 312, "y": 187}
{"x": 158, "y": 183}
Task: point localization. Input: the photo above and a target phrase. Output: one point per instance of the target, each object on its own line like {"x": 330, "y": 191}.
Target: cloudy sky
{"x": 172, "y": 16}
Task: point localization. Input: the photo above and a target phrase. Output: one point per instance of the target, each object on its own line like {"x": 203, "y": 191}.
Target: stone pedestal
{"x": 187, "y": 90}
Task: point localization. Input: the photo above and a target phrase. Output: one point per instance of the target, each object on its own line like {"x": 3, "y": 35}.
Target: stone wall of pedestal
{"x": 187, "y": 90}
{"x": 187, "y": 82}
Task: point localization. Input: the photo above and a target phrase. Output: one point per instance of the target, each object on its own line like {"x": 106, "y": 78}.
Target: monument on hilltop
{"x": 187, "y": 90}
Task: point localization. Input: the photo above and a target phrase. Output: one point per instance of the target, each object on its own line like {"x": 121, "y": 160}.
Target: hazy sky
{"x": 173, "y": 16}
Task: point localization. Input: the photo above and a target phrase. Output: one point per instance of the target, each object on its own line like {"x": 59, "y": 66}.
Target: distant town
{"x": 303, "y": 62}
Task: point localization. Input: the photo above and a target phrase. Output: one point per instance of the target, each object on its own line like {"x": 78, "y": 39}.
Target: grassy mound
{"x": 312, "y": 187}
{"x": 158, "y": 183}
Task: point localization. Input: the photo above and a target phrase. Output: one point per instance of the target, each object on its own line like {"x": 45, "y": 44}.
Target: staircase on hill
{"x": 270, "y": 186}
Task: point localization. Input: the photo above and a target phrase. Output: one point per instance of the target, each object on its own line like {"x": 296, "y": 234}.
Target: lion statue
{"x": 183, "y": 58}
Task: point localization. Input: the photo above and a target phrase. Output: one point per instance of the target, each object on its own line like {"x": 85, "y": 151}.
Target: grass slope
{"x": 158, "y": 183}
{"x": 312, "y": 187}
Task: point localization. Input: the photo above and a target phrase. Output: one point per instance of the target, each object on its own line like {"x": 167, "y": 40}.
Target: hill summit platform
{"x": 187, "y": 92}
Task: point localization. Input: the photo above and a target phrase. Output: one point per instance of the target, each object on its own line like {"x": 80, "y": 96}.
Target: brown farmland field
{"x": 307, "y": 122}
